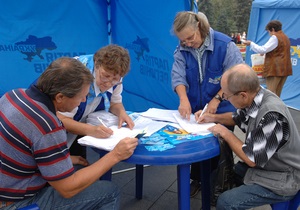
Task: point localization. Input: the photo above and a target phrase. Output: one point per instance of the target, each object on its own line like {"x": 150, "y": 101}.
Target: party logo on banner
{"x": 151, "y": 66}
{"x": 295, "y": 50}
{"x": 139, "y": 46}
{"x": 37, "y": 50}
{"x": 31, "y": 47}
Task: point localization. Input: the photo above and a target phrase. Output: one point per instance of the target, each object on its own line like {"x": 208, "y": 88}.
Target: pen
{"x": 204, "y": 110}
{"x": 101, "y": 121}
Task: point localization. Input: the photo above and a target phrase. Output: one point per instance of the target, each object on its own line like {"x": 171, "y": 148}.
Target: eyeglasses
{"x": 105, "y": 77}
{"x": 226, "y": 98}
{"x": 189, "y": 39}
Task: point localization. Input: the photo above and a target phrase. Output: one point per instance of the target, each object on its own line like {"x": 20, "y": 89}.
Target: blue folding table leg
{"x": 183, "y": 183}
{"x": 139, "y": 176}
{"x": 107, "y": 175}
{"x": 205, "y": 184}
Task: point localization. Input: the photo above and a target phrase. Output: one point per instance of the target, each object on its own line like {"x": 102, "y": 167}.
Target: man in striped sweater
{"x": 35, "y": 164}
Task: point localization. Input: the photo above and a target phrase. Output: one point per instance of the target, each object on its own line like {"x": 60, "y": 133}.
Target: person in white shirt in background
{"x": 277, "y": 57}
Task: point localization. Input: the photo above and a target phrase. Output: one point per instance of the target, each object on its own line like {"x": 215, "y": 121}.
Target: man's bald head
{"x": 240, "y": 77}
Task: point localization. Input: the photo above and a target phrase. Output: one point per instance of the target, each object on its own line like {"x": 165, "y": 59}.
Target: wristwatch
{"x": 218, "y": 97}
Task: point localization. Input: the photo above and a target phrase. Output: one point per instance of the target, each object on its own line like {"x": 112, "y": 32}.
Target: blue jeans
{"x": 102, "y": 195}
{"x": 248, "y": 196}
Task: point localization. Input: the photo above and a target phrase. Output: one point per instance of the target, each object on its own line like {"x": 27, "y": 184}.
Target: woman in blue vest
{"x": 108, "y": 65}
{"x": 199, "y": 62}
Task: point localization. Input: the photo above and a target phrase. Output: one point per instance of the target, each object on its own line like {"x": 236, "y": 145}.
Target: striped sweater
{"x": 33, "y": 147}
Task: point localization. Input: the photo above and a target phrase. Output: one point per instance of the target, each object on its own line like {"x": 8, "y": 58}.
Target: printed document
{"x": 142, "y": 125}
{"x": 192, "y": 126}
{"x": 109, "y": 143}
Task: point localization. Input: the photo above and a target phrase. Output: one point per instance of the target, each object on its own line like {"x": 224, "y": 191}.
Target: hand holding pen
{"x": 103, "y": 131}
{"x": 101, "y": 122}
{"x": 203, "y": 110}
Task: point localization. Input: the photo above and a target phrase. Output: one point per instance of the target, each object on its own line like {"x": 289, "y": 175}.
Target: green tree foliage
{"x": 227, "y": 16}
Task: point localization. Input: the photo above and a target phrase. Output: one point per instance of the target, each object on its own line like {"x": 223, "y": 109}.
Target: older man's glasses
{"x": 108, "y": 78}
{"x": 224, "y": 97}
{"x": 189, "y": 39}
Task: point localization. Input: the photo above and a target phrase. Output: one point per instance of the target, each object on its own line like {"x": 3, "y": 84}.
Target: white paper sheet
{"x": 192, "y": 126}
{"x": 149, "y": 125}
{"x": 109, "y": 143}
{"x": 160, "y": 114}
{"x": 141, "y": 124}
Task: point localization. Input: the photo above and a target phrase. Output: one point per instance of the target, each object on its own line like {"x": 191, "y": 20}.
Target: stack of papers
{"x": 109, "y": 144}
{"x": 153, "y": 121}
{"x": 142, "y": 125}
{"x": 160, "y": 114}
{"x": 148, "y": 125}
{"x": 192, "y": 126}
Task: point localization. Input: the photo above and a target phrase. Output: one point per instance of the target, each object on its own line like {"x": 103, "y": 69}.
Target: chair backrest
{"x": 288, "y": 205}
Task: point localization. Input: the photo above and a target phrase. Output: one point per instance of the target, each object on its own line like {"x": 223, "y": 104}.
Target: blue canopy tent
{"x": 288, "y": 13}
{"x": 34, "y": 33}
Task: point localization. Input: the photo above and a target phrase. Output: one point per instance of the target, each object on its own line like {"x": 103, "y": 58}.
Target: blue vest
{"x": 88, "y": 61}
{"x": 200, "y": 94}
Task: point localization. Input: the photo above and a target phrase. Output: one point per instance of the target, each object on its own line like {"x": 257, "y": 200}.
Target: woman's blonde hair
{"x": 193, "y": 20}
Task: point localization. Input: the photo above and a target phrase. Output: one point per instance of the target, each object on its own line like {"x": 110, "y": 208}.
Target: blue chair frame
{"x": 30, "y": 207}
{"x": 288, "y": 205}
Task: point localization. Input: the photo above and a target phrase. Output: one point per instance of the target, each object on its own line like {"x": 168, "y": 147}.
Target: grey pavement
{"x": 160, "y": 183}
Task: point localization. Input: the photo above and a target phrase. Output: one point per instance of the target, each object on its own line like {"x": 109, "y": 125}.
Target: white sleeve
{"x": 116, "y": 96}
{"x": 271, "y": 44}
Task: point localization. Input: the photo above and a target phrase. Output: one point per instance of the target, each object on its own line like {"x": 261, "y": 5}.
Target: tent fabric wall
{"x": 34, "y": 33}
{"x": 288, "y": 13}
{"x": 146, "y": 33}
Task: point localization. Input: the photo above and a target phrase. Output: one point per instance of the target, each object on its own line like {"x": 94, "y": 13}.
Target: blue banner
{"x": 34, "y": 33}
{"x": 144, "y": 28}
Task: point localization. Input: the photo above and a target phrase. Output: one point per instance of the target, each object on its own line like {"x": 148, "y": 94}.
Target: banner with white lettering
{"x": 145, "y": 29}
{"x": 34, "y": 33}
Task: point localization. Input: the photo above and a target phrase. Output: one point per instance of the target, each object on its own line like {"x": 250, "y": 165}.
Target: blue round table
{"x": 183, "y": 155}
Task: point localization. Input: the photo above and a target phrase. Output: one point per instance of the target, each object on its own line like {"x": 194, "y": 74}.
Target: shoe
{"x": 195, "y": 187}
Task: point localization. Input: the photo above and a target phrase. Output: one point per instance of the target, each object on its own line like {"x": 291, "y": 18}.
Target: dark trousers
{"x": 76, "y": 149}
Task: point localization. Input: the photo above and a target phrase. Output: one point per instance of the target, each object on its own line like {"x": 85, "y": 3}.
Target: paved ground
{"x": 160, "y": 184}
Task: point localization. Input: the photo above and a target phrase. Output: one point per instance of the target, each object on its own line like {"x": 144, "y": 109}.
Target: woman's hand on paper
{"x": 124, "y": 118}
{"x": 185, "y": 109}
{"x": 125, "y": 148}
